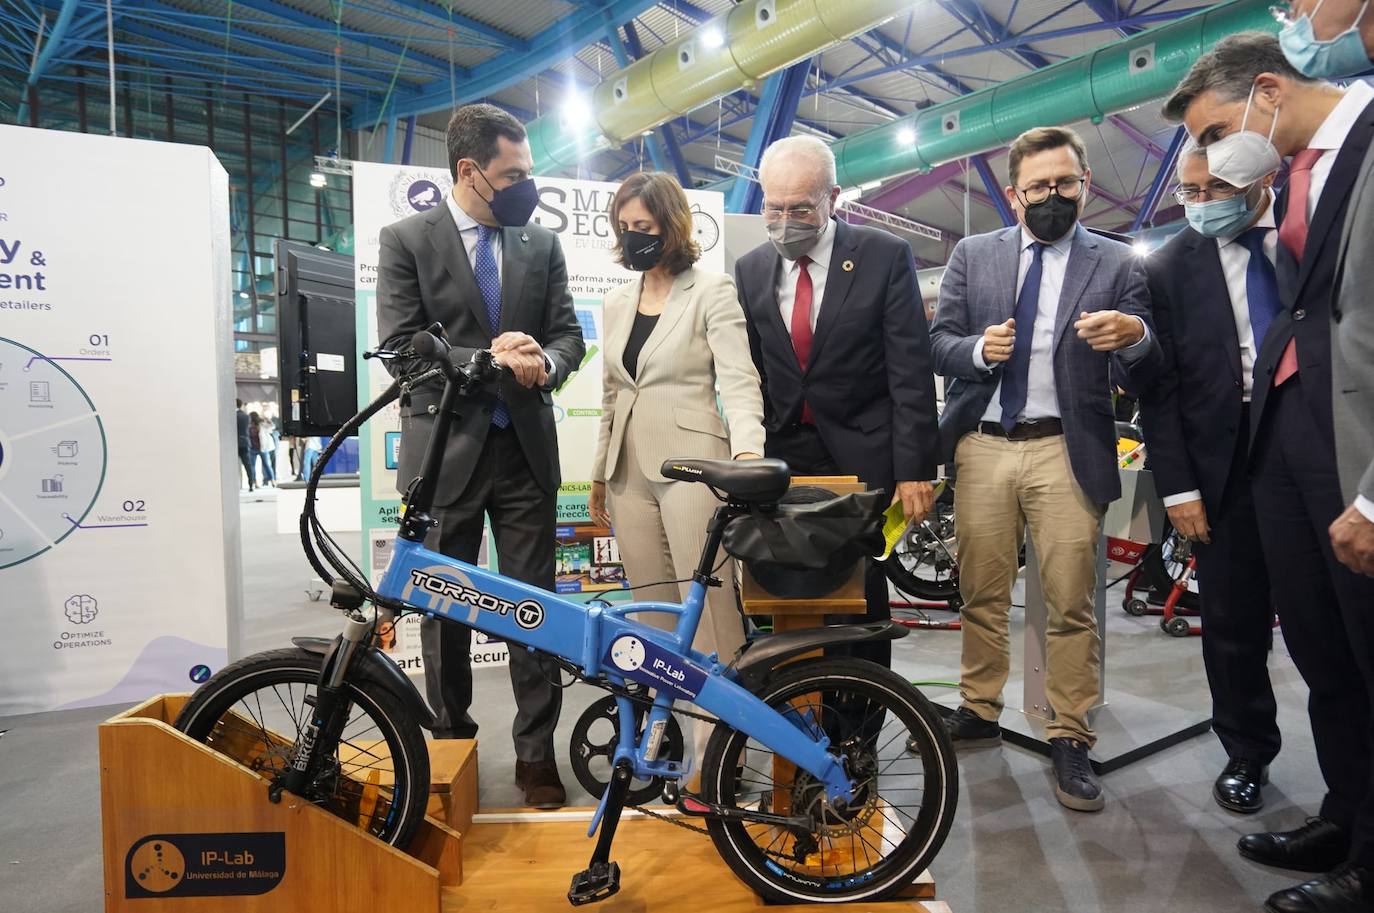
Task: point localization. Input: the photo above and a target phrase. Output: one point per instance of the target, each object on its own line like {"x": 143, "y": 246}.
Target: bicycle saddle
{"x": 742, "y": 480}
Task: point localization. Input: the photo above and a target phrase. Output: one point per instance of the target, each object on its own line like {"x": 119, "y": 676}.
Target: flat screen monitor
{"x": 317, "y": 340}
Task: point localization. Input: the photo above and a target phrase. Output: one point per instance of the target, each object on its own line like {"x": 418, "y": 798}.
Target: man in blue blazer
{"x": 1033, "y": 339}
{"x": 1213, "y": 294}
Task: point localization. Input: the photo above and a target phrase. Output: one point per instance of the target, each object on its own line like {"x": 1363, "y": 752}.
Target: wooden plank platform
{"x": 527, "y": 864}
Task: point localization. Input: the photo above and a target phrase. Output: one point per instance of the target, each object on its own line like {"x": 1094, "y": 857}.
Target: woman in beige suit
{"x": 672, "y": 337}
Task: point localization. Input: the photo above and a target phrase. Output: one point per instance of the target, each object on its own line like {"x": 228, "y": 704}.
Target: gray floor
{"x": 1160, "y": 844}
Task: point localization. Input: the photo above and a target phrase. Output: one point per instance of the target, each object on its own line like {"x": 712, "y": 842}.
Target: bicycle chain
{"x": 676, "y": 822}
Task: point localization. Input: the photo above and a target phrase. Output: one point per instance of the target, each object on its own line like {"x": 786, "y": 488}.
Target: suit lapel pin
{"x": 847, "y": 266}
{"x": 524, "y": 236}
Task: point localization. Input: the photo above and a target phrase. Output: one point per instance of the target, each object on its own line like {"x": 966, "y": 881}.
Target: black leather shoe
{"x": 1317, "y": 846}
{"x": 969, "y": 730}
{"x": 542, "y": 786}
{"x": 1347, "y": 889}
{"x": 1240, "y": 788}
{"x": 1075, "y": 783}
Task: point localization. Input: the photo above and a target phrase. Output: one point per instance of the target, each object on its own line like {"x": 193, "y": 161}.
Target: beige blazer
{"x": 699, "y": 343}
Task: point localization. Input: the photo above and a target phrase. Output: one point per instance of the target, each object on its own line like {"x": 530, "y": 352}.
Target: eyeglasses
{"x": 804, "y": 212}
{"x": 1067, "y": 188}
{"x": 1214, "y": 191}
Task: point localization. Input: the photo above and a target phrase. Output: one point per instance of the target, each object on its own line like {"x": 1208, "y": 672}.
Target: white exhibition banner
{"x": 587, "y": 560}
{"x": 119, "y": 551}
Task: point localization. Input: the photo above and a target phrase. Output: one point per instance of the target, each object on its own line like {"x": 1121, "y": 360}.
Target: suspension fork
{"x": 319, "y": 738}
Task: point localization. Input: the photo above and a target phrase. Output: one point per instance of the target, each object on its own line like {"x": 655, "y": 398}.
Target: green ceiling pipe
{"x": 758, "y": 37}
{"x": 1111, "y": 79}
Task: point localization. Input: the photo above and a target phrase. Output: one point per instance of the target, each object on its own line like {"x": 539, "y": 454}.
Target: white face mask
{"x": 1244, "y": 157}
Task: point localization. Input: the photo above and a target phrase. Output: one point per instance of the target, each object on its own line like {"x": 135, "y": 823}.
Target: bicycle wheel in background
{"x": 894, "y": 745}
{"x": 924, "y": 562}
{"x": 253, "y": 711}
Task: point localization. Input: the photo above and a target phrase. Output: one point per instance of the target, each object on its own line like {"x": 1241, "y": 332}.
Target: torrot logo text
{"x": 528, "y": 614}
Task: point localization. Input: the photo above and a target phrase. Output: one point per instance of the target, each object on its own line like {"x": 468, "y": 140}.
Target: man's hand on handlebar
{"x": 523, "y": 357}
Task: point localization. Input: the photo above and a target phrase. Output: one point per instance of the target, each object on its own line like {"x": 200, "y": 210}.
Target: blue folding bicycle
{"x": 824, "y": 779}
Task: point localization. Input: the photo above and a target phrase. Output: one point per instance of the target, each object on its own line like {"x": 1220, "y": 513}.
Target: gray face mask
{"x": 793, "y": 238}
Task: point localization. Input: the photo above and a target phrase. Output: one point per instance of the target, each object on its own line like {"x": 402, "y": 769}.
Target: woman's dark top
{"x": 639, "y": 334}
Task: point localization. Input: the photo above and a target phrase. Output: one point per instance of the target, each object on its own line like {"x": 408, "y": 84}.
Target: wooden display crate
{"x": 188, "y": 830}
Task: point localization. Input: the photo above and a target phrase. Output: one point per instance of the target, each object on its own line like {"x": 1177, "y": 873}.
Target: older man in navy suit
{"x": 1033, "y": 341}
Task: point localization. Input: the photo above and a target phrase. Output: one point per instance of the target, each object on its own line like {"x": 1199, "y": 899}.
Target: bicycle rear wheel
{"x": 254, "y": 710}
{"x": 896, "y": 748}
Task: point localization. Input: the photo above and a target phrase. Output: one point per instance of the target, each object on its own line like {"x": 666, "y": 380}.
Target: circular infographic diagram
{"x": 52, "y": 453}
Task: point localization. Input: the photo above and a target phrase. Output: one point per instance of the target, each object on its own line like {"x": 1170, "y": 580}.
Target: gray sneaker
{"x": 1075, "y": 785}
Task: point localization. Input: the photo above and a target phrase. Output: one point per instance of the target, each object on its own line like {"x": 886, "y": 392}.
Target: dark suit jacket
{"x": 868, "y": 381}
{"x": 1307, "y": 289}
{"x": 423, "y": 277}
{"x": 242, "y": 422}
{"x": 1192, "y": 413}
{"x": 979, "y": 290}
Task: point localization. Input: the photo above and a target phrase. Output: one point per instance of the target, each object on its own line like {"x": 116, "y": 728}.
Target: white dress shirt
{"x": 817, "y": 269}
{"x": 467, "y": 230}
{"x": 1042, "y": 398}
{"x": 1331, "y": 135}
{"x": 1235, "y": 261}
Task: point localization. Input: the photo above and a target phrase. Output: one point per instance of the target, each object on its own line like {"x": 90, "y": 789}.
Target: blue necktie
{"x": 489, "y": 284}
{"x": 1016, "y": 373}
{"x": 1261, "y": 285}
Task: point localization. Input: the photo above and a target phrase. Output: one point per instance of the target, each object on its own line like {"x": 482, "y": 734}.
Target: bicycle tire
{"x": 202, "y": 717}
{"x": 928, "y": 741}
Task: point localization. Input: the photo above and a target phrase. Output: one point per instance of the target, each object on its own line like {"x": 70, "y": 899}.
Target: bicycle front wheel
{"x": 254, "y": 711}
{"x": 898, "y": 752}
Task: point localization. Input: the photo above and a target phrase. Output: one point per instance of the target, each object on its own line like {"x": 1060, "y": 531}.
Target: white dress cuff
{"x": 1365, "y": 506}
{"x": 1182, "y": 497}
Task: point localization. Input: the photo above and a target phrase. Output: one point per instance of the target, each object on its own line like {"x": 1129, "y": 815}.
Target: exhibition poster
{"x": 586, "y": 557}
{"x": 119, "y": 546}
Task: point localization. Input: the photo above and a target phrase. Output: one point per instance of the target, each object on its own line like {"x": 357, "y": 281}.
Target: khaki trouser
{"x": 661, "y": 529}
{"x": 1003, "y": 487}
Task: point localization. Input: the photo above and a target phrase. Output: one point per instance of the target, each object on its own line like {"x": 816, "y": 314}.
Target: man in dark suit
{"x": 242, "y": 426}
{"x": 839, "y": 338}
{"x": 1213, "y": 286}
{"x": 1028, "y": 422}
{"x": 1245, "y": 83}
{"x": 475, "y": 266}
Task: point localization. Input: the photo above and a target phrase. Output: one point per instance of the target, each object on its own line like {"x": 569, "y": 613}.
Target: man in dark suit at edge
{"x": 838, "y": 335}
{"x": 1213, "y": 285}
{"x": 1249, "y": 107}
{"x": 476, "y": 266}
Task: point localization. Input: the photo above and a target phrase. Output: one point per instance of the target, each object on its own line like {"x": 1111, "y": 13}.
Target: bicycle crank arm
{"x": 695, "y": 807}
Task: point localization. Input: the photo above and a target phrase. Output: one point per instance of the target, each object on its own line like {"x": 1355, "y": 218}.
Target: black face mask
{"x": 642, "y": 250}
{"x": 1051, "y": 219}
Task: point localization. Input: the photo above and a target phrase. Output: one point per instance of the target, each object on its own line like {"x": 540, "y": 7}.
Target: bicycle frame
{"x": 598, "y": 639}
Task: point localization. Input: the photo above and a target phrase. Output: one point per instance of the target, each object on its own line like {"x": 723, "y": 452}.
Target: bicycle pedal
{"x": 596, "y": 883}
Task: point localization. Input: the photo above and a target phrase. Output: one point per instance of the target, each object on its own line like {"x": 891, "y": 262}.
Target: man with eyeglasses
{"x": 1036, "y": 324}
{"x": 1213, "y": 294}
{"x": 838, "y": 334}
{"x": 1250, "y": 107}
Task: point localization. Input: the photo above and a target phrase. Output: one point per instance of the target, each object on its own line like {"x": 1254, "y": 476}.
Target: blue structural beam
{"x": 382, "y": 45}
{"x": 1161, "y": 181}
{"x": 672, "y": 151}
{"x": 999, "y": 200}
{"x": 546, "y": 49}
{"x": 50, "y": 49}
{"x": 410, "y": 139}
{"x": 437, "y": 12}
{"x": 1108, "y": 11}
{"x": 773, "y": 120}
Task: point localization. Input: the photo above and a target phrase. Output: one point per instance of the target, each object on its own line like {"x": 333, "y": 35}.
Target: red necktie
{"x": 801, "y": 324}
{"x": 1293, "y": 235}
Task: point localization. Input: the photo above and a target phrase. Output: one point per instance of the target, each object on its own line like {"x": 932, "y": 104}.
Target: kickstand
{"x": 601, "y": 878}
